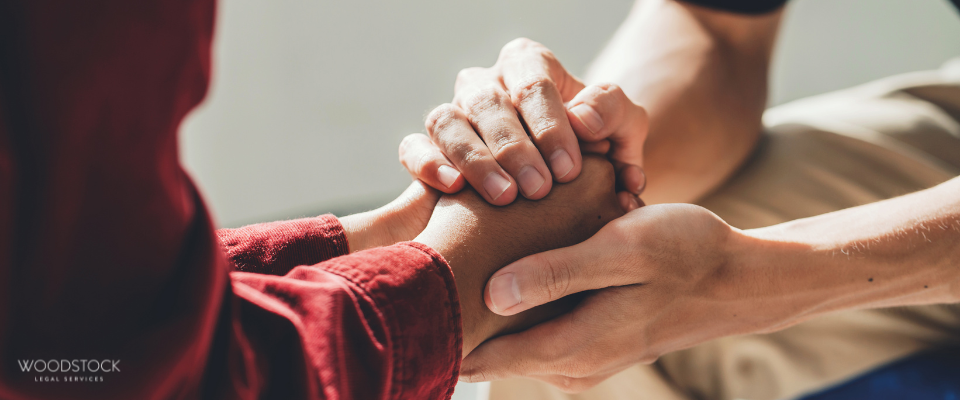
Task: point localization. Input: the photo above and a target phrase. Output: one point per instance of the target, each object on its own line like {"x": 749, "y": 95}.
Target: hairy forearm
{"x": 702, "y": 76}
{"x": 898, "y": 252}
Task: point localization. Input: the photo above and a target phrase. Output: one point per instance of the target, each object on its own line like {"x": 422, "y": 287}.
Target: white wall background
{"x": 310, "y": 98}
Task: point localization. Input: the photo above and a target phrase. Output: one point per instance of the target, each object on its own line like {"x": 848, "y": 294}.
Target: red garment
{"x": 107, "y": 251}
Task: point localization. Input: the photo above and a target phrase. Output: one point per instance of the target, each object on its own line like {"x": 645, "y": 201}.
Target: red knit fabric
{"x": 276, "y": 247}
{"x": 108, "y": 252}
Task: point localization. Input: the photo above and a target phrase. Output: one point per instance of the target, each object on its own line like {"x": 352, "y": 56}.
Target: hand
{"x": 477, "y": 239}
{"x": 481, "y": 138}
{"x": 399, "y": 221}
{"x": 660, "y": 282}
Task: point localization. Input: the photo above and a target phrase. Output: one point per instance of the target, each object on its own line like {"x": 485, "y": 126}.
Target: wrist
{"x": 470, "y": 274}
{"x": 775, "y": 280}
{"x": 366, "y": 230}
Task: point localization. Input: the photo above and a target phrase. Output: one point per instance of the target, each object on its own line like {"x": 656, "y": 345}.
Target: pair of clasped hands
{"x": 593, "y": 282}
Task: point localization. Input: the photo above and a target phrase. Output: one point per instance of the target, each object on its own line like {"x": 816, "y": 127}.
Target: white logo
{"x": 77, "y": 370}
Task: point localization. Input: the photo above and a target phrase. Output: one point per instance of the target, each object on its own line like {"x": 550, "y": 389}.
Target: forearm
{"x": 898, "y": 252}
{"x": 702, "y": 76}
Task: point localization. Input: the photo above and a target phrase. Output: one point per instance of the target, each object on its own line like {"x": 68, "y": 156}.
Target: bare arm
{"x": 702, "y": 77}
{"x": 675, "y": 275}
{"x": 897, "y": 252}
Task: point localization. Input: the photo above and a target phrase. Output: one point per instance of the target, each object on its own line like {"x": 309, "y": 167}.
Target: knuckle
{"x": 405, "y": 145}
{"x": 441, "y": 117}
{"x": 468, "y": 74}
{"x": 648, "y": 359}
{"x": 550, "y": 58}
{"x": 484, "y": 100}
{"x": 520, "y": 44}
{"x": 615, "y": 89}
{"x": 467, "y": 154}
{"x": 621, "y": 232}
{"x": 554, "y": 279}
{"x": 572, "y": 385}
{"x": 480, "y": 376}
{"x": 610, "y": 88}
{"x": 530, "y": 87}
{"x": 505, "y": 146}
{"x": 544, "y": 127}
{"x": 425, "y": 164}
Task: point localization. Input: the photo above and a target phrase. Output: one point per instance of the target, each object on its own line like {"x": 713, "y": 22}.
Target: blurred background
{"x": 310, "y": 98}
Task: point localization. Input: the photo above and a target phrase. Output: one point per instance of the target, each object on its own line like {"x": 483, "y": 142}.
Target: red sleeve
{"x": 397, "y": 314}
{"x": 276, "y": 247}
{"x": 107, "y": 253}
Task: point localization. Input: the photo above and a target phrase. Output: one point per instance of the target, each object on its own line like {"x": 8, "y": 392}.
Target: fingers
{"x": 491, "y": 113}
{"x": 548, "y": 276}
{"x": 582, "y": 343}
{"x": 527, "y": 353}
{"x": 629, "y": 201}
{"x": 630, "y": 178}
{"x": 525, "y": 55}
{"x": 603, "y": 112}
{"x": 536, "y": 84}
{"x": 453, "y": 134}
{"x": 424, "y": 161}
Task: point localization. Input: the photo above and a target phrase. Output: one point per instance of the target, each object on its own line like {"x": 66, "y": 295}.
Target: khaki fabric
{"x": 821, "y": 154}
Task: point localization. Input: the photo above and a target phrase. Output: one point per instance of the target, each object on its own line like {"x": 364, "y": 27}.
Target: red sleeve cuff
{"x": 417, "y": 295}
{"x": 277, "y": 247}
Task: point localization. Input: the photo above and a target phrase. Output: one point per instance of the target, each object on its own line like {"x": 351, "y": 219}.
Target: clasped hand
{"x": 653, "y": 281}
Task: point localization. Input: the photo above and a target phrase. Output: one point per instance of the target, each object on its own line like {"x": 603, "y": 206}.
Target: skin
{"x": 675, "y": 275}
{"x": 669, "y": 276}
{"x": 694, "y": 78}
{"x": 479, "y": 139}
{"x": 399, "y": 221}
{"x": 477, "y": 238}
{"x": 702, "y": 77}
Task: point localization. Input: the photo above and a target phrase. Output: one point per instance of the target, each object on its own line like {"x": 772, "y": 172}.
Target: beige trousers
{"x": 826, "y": 153}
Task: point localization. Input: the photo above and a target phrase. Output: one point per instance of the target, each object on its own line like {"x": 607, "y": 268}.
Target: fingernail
{"x": 588, "y": 116}
{"x": 530, "y": 180}
{"x": 495, "y": 185}
{"x": 561, "y": 163}
{"x": 447, "y": 175}
{"x": 504, "y": 291}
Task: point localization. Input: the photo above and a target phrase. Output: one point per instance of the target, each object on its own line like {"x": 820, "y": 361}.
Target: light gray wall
{"x": 310, "y": 98}
{"x": 832, "y": 44}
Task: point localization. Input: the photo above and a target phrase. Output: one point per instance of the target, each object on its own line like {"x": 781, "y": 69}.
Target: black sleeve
{"x": 741, "y": 6}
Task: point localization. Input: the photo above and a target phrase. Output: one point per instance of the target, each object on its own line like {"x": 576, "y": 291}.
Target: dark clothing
{"x": 752, "y": 6}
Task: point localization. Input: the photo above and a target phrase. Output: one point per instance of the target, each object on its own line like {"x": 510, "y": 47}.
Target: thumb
{"x": 603, "y": 112}
{"x": 409, "y": 213}
{"x": 545, "y": 277}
